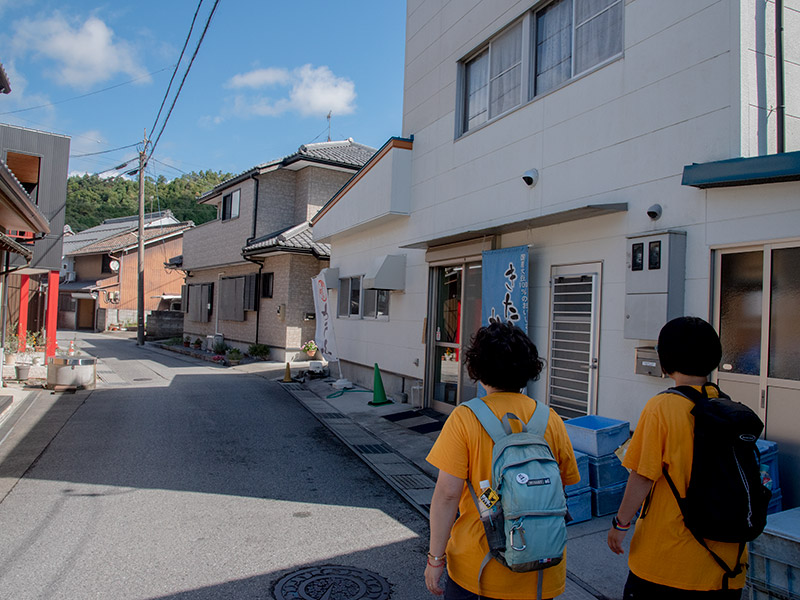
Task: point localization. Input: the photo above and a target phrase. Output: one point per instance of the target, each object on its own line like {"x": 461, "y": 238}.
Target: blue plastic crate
{"x": 583, "y": 469}
{"x": 775, "y": 503}
{"x": 597, "y": 435}
{"x": 606, "y": 501}
{"x": 606, "y": 470}
{"x": 769, "y": 459}
{"x": 774, "y": 557}
{"x": 579, "y": 505}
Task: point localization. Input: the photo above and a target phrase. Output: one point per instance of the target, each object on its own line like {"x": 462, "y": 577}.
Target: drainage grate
{"x": 332, "y": 415}
{"x": 332, "y": 582}
{"x": 295, "y": 387}
{"x": 372, "y": 449}
{"x": 413, "y": 482}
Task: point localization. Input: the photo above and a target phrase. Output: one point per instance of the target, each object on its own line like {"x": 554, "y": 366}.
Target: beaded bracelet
{"x": 619, "y": 526}
{"x": 436, "y": 558}
{"x": 430, "y": 564}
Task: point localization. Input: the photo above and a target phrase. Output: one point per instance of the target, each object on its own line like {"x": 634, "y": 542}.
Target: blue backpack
{"x": 526, "y": 530}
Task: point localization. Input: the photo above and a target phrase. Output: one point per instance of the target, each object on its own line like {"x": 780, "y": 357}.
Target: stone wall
{"x": 164, "y": 324}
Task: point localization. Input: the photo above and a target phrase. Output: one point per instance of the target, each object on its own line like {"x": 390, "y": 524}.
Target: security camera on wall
{"x": 530, "y": 177}
{"x": 654, "y": 212}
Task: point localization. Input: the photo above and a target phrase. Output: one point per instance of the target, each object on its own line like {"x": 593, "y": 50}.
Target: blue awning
{"x": 773, "y": 168}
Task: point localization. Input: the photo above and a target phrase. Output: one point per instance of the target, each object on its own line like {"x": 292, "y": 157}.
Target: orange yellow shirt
{"x": 663, "y": 551}
{"x": 464, "y": 450}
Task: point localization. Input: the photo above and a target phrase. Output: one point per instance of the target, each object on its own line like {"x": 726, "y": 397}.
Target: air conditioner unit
{"x": 69, "y": 276}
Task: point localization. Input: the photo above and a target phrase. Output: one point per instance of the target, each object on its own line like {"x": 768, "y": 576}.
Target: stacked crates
{"x": 769, "y": 473}
{"x": 598, "y": 437}
{"x": 774, "y": 557}
{"x": 579, "y": 495}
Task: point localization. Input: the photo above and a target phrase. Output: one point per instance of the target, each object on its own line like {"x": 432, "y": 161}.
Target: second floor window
{"x": 538, "y": 53}
{"x": 354, "y": 301}
{"x": 230, "y": 205}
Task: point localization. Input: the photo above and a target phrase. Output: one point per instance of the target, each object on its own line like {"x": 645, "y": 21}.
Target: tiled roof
{"x": 129, "y": 238}
{"x": 343, "y": 153}
{"x": 294, "y": 239}
{"x": 110, "y": 228}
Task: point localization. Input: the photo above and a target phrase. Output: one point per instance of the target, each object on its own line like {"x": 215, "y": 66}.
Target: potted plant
{"x": 310, "y": 348}
{"x": 259, "y": 351}
{"x": 234, "y": 356}
{"x": 186, "y": 341}
{"x": 197, "y": 344}
{"x": 11, "y": 348}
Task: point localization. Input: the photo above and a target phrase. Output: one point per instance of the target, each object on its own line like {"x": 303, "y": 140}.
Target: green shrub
{"x": 258, "y": 351}
{"x": 221, "y": 348}
{"x": 234, "y": 354}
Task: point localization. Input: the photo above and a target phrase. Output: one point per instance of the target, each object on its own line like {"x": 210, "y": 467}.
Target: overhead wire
{"x": 103, "y": 151}
{"x": 185, "y": 75}
{"x": 177, "y": 65}
{"x": 19, "y": 110}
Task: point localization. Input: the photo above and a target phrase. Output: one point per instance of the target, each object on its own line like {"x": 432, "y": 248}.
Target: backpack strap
{"x": 487, "y": 419}
{"x": 539, "y": 420}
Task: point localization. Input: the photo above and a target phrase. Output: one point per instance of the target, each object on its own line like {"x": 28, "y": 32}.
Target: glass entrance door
{"x": 757, "y": 291}
{"x": 456, "y": 316}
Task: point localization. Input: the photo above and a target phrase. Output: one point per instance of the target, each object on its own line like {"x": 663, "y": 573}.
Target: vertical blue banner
{"x": 504, "y": 286}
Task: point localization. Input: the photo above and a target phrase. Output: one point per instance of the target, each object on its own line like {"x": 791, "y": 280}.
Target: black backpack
{"x": 726, "y": 500}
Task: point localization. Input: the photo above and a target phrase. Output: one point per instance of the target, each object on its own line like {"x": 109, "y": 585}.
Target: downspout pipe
{"x": 260, "y": 264}
{"x": 779, "y": 77}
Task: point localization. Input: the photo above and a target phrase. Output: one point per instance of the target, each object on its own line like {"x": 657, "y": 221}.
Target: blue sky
{"x": 262, "y": 84}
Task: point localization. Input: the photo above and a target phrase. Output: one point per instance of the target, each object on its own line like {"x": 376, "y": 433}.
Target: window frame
{"x": 230, "y": 202}
{"x": 528, "y": 92}
{"x": 363, "y": 295}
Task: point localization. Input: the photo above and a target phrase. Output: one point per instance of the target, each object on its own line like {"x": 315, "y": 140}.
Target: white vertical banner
{"x": 324, "y": 334}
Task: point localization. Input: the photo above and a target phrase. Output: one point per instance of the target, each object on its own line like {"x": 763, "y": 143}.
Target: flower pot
{"x": 22, "y": 371}
{"x": 311, "y": 353}
{"x": 10, "y": 358}
{"x": 185, "y": 344}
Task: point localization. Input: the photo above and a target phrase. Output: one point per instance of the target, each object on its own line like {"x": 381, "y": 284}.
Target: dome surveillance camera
{"x": 530, "y": 177}
{"x": 654, "y": 212}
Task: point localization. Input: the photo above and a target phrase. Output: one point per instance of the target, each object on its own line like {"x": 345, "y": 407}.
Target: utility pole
{"x": 140, "y": 304}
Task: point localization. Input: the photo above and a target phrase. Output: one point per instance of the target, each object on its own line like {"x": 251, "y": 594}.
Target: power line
{"x": 103, "y": 151}
{"x": 170, "y": 166}
{"x": 180, "y": 58}
{"x": 19, "y": 110}
{"x": 175, "y": 99}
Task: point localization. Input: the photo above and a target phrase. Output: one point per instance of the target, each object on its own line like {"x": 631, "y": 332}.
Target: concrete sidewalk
{"x": 393, "y": 440}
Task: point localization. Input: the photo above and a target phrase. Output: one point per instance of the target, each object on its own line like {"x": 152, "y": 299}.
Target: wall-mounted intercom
{"x": 654, "y": 283}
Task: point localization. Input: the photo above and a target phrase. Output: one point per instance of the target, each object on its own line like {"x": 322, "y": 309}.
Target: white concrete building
{"x": 631, "y": 145}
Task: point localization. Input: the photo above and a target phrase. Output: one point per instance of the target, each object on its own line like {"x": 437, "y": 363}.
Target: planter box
{"x": 596, "y": 435}
{"x": 72, "y": 371}
{"x": 583, "y": 470}
{"x": 606, "y": 470}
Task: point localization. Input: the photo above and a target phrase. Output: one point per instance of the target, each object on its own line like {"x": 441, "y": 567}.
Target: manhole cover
{"x": 332, "y": 582}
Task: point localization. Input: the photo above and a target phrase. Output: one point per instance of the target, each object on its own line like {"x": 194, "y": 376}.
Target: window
{"x": 106, "y": 264}
{"x": 231, "y": 298}
{"x": 537, "y": 54}
{"x": 26, "y": 169}
{"x": 200, "y": 302}
{"x": 376, "y": 304}
{"x": 230, "y": 205}
{"x": 267, "y": 281}
{"x": 351, "y": 297}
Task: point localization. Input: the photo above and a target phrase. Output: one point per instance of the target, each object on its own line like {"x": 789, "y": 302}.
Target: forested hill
{"x": 91, "y": 200}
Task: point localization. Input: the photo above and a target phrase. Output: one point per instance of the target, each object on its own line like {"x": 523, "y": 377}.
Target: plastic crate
{"x": 583, "y": 469}
{"x": 606, "y": 501}
{"x": 774, "y": 558}
{"x": 769, "y": 461}
{"x": 596, "y": 435}
{"x": 775, "y": 503}
{"x": 606, "y": 470}
{"x": 579, "y": 505}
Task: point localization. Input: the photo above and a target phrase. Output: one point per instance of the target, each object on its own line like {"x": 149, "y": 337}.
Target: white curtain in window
{"x": 598, "y": 32}
{"x": 506, "y": 71}
{"x": 235, "y": 204}
{"x": 553, "y": 45}
{"x": 476, "y": 107}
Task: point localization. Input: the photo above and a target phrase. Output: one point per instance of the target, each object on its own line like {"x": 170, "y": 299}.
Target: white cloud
{"x": 260, "y": 78}
{"x": 85, "y": 53}
{"x": 313, "y": 91}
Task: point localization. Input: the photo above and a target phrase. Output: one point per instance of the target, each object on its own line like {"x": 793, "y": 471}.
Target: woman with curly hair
{"x": 504, "y": 359}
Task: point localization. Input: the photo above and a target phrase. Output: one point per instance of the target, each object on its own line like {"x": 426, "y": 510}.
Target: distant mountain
{"x": 91, "y": 199}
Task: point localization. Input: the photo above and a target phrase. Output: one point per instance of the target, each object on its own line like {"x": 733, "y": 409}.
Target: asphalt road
{"x": 180, "y": 479}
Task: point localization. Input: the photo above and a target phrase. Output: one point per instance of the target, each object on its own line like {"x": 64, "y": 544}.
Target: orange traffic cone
{"x": 287, "y": 378}
{"x": 71, "y": 350}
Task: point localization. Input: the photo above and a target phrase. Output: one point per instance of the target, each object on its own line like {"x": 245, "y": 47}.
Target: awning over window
{"x": 774, "y": 168}
{"x": 388, "y": 273}
{"x": 564, "y": 216}
{"x": 331, "y": 277}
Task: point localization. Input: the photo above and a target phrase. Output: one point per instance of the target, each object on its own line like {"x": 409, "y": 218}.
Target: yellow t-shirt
{"x": 663, "y": 550}
{"x": 464, "y": 449}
